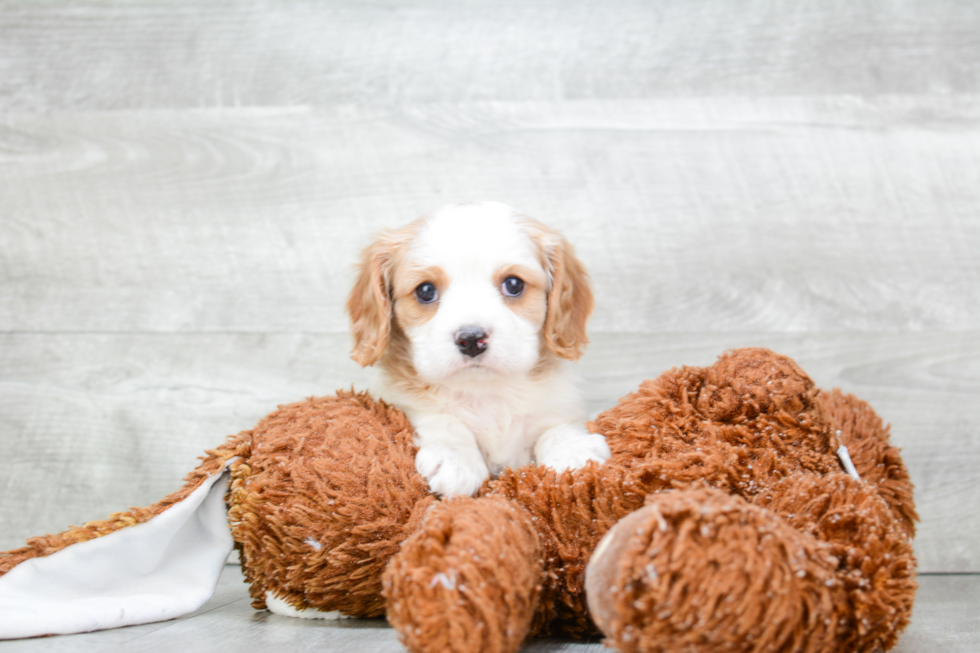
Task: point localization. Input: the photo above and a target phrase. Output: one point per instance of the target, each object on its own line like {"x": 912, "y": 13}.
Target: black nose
{"x": 472, "y": 340}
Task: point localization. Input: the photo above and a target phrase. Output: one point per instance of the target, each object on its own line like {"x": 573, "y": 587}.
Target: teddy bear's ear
{"x": 570, "y": 300}
{"x": 369, "y": 302}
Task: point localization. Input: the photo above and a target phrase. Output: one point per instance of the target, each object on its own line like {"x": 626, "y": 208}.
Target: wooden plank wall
{"x": 184, "y": 187}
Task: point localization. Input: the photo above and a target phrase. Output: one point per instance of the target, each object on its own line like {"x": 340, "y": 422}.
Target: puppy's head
{"x": 471, "y": 289}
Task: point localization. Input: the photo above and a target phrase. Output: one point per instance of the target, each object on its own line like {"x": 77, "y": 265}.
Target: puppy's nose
{"x": 472, "y": 340}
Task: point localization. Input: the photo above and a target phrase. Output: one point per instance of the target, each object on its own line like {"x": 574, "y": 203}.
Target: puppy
{"x": 473, "y": 314}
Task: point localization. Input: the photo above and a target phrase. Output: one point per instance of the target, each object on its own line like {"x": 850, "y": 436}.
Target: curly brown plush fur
{"x": 322, "y": 496}
{"x": 758, "y": 542}
{"x": 701, "y": 570}
{"x": 494, "y": 576}
{"x": 792, "y": 554}
{"x": 731, "y": 525}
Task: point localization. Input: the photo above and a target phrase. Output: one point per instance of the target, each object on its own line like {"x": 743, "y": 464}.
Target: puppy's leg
{"x": 570, "y": 446}
{"x": 448, "y": 455}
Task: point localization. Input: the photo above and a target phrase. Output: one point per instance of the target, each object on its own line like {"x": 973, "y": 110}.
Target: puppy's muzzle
{"x": 472, "y": 340}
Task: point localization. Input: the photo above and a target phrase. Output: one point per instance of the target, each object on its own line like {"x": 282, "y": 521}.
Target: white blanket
{"x": 161, "y": 569}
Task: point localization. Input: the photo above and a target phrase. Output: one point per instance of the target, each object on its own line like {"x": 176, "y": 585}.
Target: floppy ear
{"x": 369, "y": 302}
{"x": 570, "y": 300}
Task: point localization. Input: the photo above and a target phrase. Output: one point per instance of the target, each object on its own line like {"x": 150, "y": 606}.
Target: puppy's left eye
{"x": 426, "y": 293}
{"x": 512, "y": 287}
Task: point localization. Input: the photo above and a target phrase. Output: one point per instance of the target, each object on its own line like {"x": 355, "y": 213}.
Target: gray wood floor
{"x": 945, "y": 619}
{"x": 184, "y": 186}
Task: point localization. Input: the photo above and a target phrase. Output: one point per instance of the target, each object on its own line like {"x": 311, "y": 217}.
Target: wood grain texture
{"x": 93, "y": 423}
{"x": 782, "y": 215}
{"x": 184, "y": 187}
{"x": 117, "y": 55}
{"x": 945, "y": 619}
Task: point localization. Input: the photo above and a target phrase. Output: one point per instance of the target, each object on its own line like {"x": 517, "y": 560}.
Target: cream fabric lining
{"x": 158, "y": 570}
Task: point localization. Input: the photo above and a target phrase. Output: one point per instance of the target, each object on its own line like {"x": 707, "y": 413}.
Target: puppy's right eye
{"x": 512, "y": 286}
{"x": 426, "y": 293}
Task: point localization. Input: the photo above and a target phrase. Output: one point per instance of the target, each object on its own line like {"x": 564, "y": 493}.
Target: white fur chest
{"x": 504, "y": 418}
{"x": 504, "y": 432}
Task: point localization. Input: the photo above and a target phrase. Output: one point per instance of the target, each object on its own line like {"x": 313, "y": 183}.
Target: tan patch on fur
{"x": 570, "y": 300}
{"x": 547, "y": 363}
{"x": 409, "y": 311}
{"x": 369, "y": 304}
{"x": 397, "y": 362}
{"x": 532, "y": 304}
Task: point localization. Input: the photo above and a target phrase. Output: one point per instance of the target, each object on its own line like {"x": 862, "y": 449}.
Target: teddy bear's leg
{"x": 468, "y": 581}
{"x": 323, "y": 493}
{"x": 702, "y": 570}
{"x": 870, "y": 540}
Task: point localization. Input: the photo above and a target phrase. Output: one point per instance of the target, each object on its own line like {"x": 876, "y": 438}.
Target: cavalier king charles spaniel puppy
{"x": 473, "y": 315}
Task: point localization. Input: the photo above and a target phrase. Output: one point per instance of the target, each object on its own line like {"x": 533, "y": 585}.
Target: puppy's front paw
{"x": 451, "y": 472}
{"x": 570, "y": 446}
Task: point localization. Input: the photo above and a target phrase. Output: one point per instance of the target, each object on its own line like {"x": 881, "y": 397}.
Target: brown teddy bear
{"x": 729, "y": 523}
{"x": 741, "y": 530}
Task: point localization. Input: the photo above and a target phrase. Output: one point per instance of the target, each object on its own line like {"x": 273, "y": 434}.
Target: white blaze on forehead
{"x": 472, "y": 246}
{"x": 473, "y": 239}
